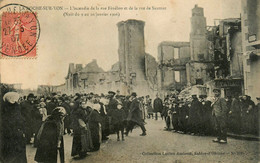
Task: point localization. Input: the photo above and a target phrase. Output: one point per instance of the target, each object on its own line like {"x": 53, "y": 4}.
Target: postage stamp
{"x": 20, "y": 31}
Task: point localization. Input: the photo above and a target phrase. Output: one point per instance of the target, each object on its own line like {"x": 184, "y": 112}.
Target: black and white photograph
{"x": 109, "y": 81}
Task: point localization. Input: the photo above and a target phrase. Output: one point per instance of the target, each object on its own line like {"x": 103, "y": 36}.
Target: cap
{"x": 216, "y": 90}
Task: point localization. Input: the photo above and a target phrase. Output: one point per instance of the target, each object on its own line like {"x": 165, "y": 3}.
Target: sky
{"x": 79, "y": 40}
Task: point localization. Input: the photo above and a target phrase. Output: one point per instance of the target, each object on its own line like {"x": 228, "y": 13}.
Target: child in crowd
{"x": 43, "y": 110}
{"x": 119, "y": 117}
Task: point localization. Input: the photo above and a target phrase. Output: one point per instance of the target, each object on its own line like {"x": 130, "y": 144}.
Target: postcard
{"x": 129, "y": 81}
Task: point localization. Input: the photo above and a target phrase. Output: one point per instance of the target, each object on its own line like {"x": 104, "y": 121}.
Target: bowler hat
{"x": 134, "y": 94}
{"x": 31, "y": 95}
{"x": 111, "y": 92}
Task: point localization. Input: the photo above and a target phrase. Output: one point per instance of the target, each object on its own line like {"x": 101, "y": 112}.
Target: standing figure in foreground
{"x": 134, "y": 117}
{"x": 119, "y": 121}
{"x": 157, "y": 106}
{"x": 13, "y": 142}
{"x": 219, "y": 113}
{"x": 50, "y": 138}
{"x": 79, "y": 125}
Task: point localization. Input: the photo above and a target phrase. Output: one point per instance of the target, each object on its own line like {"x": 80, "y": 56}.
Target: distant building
{"x": 86, "y": 79}
{"x": 250, "y": 18}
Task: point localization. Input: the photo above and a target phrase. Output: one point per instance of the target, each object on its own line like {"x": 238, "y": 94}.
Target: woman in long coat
{"x": 79, "y": 125}
{"x": 13, "y": 140}
{"x": 50, "y": 138}
{"x": 94, "y": 120}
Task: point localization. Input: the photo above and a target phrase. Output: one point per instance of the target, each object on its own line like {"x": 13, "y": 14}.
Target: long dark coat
{"x": 78, "y": 113}
{"x": 126, "y": 106}
{"x": 105, "y": 121}
{"x": 26, "y": 110}
{"x": 134, "y": 113}
{"x": 13, "y": 143}
{"x": 67, "y": 120}
{"x": 157, "y": 105}
{"x": 182, "y": 121}
{"x": 94, "y": 119}
{"x": 112, "y": 105}
{"x": 119, "y": 118}
{"x": 195, "y": 112}
{"x": 47, "y": 149}
{"x": 234, "y": 119}
{"x": 50, "y": 107}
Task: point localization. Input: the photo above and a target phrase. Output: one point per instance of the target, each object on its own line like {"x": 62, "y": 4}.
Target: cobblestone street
{"x": 164, "y": 146}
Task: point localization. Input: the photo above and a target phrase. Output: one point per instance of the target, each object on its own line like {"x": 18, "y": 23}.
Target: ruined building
{"x": 134, "y": 72}
{"x": 173, "y": 57}
{"x": 199, "y": 68}
{"x": 183, "y": 64}
{"x": 250, "y": 18}
{"x": 226, "y": 44}
{"x": 212, "y": 58}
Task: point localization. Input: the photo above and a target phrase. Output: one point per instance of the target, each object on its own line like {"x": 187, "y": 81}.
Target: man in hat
{"x": 157, "y": 106}
{"x": 112, "y": 104}
{"x": 134, "y": 116}
{"x": 111, "y": 107}
{"x": 219, "y": 113}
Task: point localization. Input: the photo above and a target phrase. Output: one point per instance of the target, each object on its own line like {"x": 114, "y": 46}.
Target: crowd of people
{"x": 201, "y": 116}
{"x": 91, "y": 118}
{"x": 43, "y": 120}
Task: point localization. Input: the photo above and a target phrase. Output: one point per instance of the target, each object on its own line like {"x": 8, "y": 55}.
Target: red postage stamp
{"x": 19, "y": 34}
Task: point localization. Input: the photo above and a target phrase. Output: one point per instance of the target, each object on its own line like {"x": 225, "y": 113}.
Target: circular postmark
{"x": 20, "y": 31}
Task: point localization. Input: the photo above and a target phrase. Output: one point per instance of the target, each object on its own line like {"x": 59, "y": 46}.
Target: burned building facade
{"x": 214, "y": 59}
{"x": 183, "y": 64}
{"x": 226, "y": 44}
{"x": 173, "y": 57}
{"x": 199, "y": 68}
{"x": 250, "y": 19}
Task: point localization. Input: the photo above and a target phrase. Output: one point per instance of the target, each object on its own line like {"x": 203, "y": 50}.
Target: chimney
{"x": 79, "y": 67}
{"x": 94, "y": 61}
{"x": 71, "y": 67}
